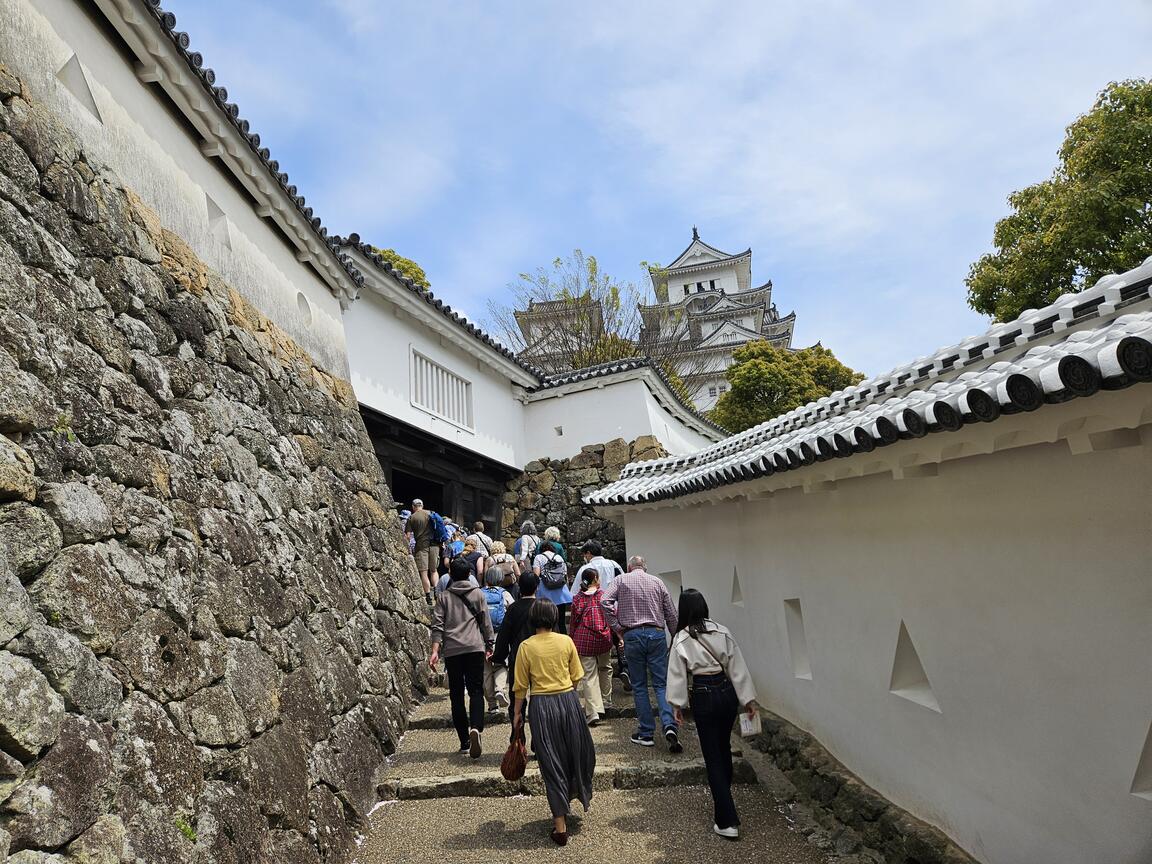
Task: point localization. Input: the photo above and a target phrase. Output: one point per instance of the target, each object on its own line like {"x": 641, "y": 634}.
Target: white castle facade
{"x": 708, "y": 308}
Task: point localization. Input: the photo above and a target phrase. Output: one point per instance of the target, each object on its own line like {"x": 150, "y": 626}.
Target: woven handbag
{"x": 515, "y": 759}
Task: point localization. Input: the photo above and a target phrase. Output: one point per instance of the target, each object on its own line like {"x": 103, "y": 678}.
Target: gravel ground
{"x": 432, "y": 752}
{"x": 671, "y": 826}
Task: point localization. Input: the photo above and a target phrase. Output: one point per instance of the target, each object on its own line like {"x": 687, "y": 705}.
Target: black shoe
{"x": 642, "y": 740}
{"x": 673, "y": 739}
{"x": 464, "y": 749}
{"x": 594, "y": 722}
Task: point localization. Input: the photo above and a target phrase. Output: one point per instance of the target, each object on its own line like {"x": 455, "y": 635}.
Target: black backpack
{"x": 555, "y": 573}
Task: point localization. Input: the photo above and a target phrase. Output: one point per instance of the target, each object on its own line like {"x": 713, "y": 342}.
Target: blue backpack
{"x": 440, "y": 532}
{"x": 495, "y": 598}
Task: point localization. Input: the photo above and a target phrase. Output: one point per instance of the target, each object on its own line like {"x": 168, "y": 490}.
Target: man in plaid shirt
{"x": 638, "y": 605}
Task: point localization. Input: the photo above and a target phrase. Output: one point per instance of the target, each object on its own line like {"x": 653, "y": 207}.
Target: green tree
{"x": 765, "y": 382}
{"x": 1092, "y": 217}
{"x": 406, "y": 266}
{"x": 573, "y": 314}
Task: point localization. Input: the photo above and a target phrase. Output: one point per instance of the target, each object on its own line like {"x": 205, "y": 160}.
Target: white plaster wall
{"x": 155, "y": 157}
{"x": 725, "y": 281}
{"x": 1023, "y": 580}
{"x": 625, "y": 409}
{"x": 380, "y": 343}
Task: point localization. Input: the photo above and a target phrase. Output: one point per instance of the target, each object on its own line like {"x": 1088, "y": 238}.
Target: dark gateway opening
{"x": 454, "y": 482}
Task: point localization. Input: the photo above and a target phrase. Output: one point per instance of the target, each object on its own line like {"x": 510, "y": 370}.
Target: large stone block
{"x": 82, "y": 591}
{"x": 17, "y": 472}
{"x": 88, "y": 687}
{"x": 31, "y": 712}
{"x": 79, "y": 511}
{"x": 66, "y": 794}
{"x": 29, "y": 537}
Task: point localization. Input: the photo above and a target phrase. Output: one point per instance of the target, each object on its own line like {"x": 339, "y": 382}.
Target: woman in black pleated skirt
{"x": 548, "y": 667}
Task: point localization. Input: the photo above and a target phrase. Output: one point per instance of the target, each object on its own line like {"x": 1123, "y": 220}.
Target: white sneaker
{"x": 502, "y": 701}
{"x": 727, "y": 833}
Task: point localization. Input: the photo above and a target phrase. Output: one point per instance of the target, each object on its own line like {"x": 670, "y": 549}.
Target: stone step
{"x": 638, "y": 826}
{"x": 433, "y": 752}
{"x": 500, "y": 718}
{"x": 490, "y": 784}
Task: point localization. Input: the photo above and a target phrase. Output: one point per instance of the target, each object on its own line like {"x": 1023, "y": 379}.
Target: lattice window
{"x": 441, "y": 393}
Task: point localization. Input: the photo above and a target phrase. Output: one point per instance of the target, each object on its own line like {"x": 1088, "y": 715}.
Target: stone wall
{"x": 210, "y": 630}
{"x": 549, "y": 493}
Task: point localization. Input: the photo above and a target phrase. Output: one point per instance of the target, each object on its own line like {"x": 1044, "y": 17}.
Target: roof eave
{"x": 163, "y": 58}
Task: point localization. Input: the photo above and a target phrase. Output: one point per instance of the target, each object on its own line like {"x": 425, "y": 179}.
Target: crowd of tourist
{"x": 532, "y": 621}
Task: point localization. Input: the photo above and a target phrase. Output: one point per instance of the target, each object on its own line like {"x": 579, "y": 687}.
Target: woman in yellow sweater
{"x": 548, "y": 667}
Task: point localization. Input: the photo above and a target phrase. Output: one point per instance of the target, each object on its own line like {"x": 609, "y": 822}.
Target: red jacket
{"x": 588, "y": 626}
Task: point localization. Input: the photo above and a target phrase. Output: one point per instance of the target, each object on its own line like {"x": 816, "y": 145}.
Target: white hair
{"x": 552, "y": 533}
{"x": 637, "y": 562}
{"x": 416, "y": 502}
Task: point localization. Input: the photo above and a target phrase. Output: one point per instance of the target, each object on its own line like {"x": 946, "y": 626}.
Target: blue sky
{"x": 863, "y": 150}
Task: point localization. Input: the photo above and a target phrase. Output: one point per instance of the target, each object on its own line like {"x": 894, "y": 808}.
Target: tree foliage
{"x": 592, "y": 318}
{"x": 405, "y": 266}
{"x": 1092, "y": 217}
{"x": 765, "y": 382}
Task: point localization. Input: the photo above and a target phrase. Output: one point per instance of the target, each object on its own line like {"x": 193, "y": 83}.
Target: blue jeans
{"x": 646, "y": 651}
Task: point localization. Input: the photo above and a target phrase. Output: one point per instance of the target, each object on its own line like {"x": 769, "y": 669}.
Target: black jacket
{"x": 513, "y": 631}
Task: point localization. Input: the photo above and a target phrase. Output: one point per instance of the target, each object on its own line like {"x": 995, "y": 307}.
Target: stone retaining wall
{"x": 549, "y": 493}
{"x": 210, "y": 629}
{"x": 839, "y": 813}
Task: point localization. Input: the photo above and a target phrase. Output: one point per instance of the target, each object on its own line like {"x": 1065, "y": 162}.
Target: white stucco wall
{"x": 154, "y": 155}
{"x": 725, "y": 281}
{"x": 593, "y": 415}
{"x": 380, "y": 343}
{"x": 1022, "y": 577}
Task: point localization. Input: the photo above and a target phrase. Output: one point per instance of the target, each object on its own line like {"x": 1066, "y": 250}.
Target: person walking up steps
{"x": 707, "y": 672}
{"x": 638, "y": 605}
{"x": 551, "y": 566}
{"x": 425, "y": 548}
{"x": 548, "y": 667}
{"x": 593, "y": 639}
{"x": 508, "y": 567}
{"x": 462, "y": 630}
{"x": 608, "y": 569}
{"x": 515, "y": 629}
{"x": 496, "y": 676}
{"x": 524, "y": 549}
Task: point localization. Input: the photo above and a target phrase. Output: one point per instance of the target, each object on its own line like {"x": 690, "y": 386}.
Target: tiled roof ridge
{"x": 883, "y": 409}
{"x": 368, "y": 251}
{"x": 219, "y": 95}
{"x": 626, "y": 364}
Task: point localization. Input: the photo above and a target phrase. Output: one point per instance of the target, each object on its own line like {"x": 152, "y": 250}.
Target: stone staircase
{"x": 439, "y": 807}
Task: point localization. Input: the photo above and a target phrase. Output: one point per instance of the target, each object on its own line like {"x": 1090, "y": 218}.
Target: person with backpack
{"x": 508, "y": 567}
{"x": 526, "y": 545}
{"x": 426, "y": 531}
{"x": 462, "y": 631}
{"x": 593, "y": 638}
{"x": 515, "y": 629}
{"x": 707, "y": 672}
{"x": 552, "y": 569}
{"x": 496, "y": 676}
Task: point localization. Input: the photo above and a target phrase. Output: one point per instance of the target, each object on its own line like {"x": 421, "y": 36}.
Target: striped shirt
{"x": 639, "y": 599}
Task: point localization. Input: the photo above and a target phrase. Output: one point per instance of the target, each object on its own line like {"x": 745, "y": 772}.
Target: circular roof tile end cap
{"x": 885, "y": 431}
{"x": 911, "y": 424}
{"x": 865, "y": 443}
{"x": 1134, "y": 355}
{"x": 1078, "y": 377}
{"x": 979, "y": 405}
{"x": 1023, "y": 392}
{"x": 945, "y": 417}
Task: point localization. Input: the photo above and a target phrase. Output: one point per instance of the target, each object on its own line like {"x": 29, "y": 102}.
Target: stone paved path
{"x": 649, "y": 807}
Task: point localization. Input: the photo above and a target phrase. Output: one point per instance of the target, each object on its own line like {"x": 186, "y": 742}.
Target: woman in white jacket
{"x": 706, "y": 672}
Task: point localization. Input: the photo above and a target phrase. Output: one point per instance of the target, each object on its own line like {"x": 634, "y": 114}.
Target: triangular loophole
{"x": 797, "y": 639}
{"x": 909, "y": 680}
{"x": 1142, "y": 782}
{"x": 737, "y": 591}
{"x": 72, "y": 76}
{"x": 218, "y": 222}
